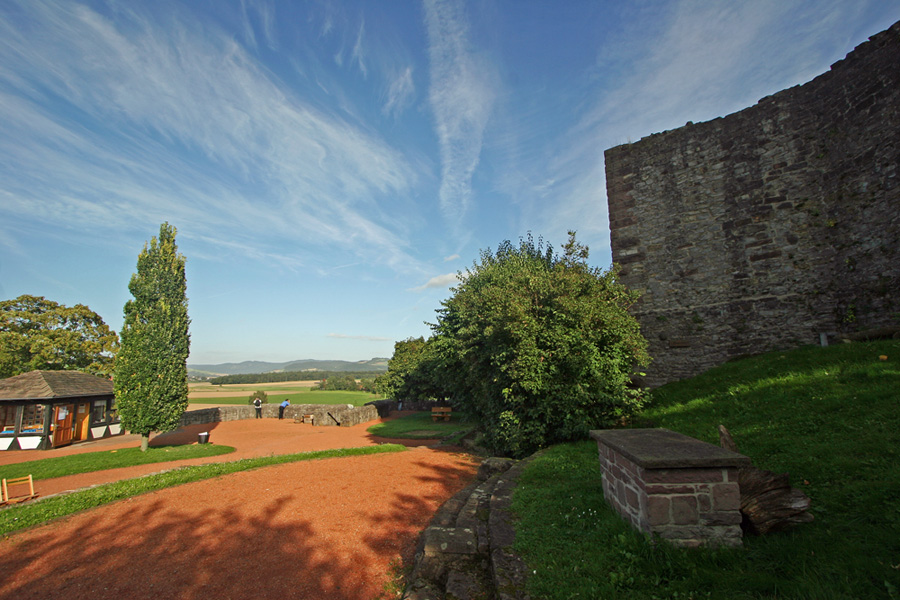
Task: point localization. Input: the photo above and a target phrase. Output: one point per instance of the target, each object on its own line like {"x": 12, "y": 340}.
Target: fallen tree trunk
{"x": 768, "y": 502}
{"x": 891, "y": 331}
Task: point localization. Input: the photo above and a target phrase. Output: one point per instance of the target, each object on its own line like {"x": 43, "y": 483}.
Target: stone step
{"x": 460, "y": 555}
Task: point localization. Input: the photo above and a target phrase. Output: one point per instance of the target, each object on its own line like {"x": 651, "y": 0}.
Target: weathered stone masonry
{"x": 343, "y": 415}
{"x": 673, "y": 486}
{"x": 769, "y": 227}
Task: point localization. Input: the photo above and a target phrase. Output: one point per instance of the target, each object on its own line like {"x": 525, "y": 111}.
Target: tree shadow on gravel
{"x": 396, "y": 529}
{"x": 150, "y": 547}
{"x": 161, "y": 552}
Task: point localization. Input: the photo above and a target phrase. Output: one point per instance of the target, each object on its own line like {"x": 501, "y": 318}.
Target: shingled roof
{"x": 47, "y": 385}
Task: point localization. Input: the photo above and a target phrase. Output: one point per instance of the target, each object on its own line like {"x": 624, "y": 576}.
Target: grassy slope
{"x": 829, "y": 417}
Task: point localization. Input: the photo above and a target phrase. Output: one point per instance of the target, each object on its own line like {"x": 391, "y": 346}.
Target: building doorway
{"x": 62, "y": 424}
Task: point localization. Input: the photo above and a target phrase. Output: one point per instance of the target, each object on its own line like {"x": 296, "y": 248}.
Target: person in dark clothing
{"x": 258, "y": 404}
{"x": 281, "y": 408}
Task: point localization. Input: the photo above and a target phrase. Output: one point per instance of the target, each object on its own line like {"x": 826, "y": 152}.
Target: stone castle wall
{"x": 769, "y": 227}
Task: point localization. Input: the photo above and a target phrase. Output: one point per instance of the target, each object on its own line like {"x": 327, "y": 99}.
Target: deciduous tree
{"x": 36, "y": 333}
{"x": 263, "y": 397}
{"x": 151, "y": 366}
{"x": 541, "y": 346}
{"x": 414, "y": 372}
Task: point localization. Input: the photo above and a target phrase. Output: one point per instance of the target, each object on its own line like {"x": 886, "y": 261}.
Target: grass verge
{"x": 60, "y": 466}
{"x": 419, "y": 426}
{"x": 30, "y": 514}
{"x": 828, "y": 416}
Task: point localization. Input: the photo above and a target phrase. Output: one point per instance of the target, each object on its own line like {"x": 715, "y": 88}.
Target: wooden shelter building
{"x": 49, "y": 409}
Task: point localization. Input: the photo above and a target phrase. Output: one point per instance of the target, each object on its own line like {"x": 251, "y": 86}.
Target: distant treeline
{"x": 289, "y": 376}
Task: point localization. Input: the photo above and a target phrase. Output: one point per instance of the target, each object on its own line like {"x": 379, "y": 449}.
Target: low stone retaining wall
{"x": 384, "y": 407}
{"x": 344, "y": 415}
{"x": 672, "y": 485}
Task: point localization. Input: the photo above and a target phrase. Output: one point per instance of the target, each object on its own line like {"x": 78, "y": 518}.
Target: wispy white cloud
{"x": 439, "y": 281}
{"x": 144, "y": 99}
{"x": 462, "y": 98}
{"x": 400, "y": 94}
{"x": 327, "y": 26}
{"x": 358, "y": 49}
{"x": 451, "y": 257}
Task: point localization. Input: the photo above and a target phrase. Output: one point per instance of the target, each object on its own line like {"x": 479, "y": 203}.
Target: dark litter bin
{"x": 203, "y": 437}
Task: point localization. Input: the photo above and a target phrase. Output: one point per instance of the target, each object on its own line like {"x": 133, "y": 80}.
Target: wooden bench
{"x": 441, "y": 413}
{"x": 4, "y": 490}
{"x": 305, "y": 419}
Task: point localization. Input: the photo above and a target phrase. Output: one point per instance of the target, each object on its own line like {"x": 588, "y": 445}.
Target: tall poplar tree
{"x": 151, "y": 365}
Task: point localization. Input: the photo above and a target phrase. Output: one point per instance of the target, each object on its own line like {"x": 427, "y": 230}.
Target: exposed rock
{"x": 492, "y": 466}
{"x": 466, "y": 554}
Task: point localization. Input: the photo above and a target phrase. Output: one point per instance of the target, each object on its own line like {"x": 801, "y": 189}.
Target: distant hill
{"x": 255, "y": 366}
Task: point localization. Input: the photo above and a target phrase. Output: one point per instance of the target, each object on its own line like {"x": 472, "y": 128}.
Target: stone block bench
{"x": 671, "y": 485}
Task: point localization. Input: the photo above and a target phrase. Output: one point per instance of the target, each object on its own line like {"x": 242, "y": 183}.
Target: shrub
{"x": 264, "y": 397}
{"x": 540, "y": 347}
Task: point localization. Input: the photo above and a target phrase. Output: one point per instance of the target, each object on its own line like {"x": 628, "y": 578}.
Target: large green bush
{"x": 540, "y": 347}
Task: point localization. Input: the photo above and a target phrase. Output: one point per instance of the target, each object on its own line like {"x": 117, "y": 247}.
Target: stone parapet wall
{"x": 344, "y": 415}
{"x": 692, "y": 500}
{"x": 767, "y": 228}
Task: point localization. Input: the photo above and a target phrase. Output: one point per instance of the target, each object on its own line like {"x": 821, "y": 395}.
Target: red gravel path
{"x": 325, "y": 529}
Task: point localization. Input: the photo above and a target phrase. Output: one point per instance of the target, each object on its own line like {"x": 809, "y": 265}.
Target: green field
{"x": 295, "y": 396}
{"x": 249, "y": 388}
{"x": 830, "y": 417}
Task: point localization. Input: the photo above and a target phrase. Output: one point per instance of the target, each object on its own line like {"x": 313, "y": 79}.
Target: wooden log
{"x": 768, "y": 502}
{"x": 891, "y": 331}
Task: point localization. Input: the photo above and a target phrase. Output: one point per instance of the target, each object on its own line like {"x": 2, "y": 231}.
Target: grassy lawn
{"x": 60, "y": 466}
{"x": 828, "y": 416}
{"x": 34, "y": 513}
{"x": 419, "y": 426}
{"x": 303, "y": 396}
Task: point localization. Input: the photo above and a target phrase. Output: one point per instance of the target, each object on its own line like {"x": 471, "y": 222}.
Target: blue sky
{"x": 330, "y": 166}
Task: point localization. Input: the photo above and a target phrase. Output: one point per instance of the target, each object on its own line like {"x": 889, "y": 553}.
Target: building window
{"x": 7, "y": 418}
{"x": 33, "y": 418}
{"x": 113, "y": 412}
{"x": 98, "y": 415}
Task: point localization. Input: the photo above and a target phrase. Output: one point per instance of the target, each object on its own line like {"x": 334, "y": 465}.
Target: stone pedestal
{"x": 671, "y": 485}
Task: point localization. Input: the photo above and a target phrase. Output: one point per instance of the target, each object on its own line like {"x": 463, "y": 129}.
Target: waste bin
{"x": 203, "y": 437}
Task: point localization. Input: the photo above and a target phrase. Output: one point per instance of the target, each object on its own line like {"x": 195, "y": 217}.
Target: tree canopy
{"x": 411, "y": 373}
{"x": 36, "y": 333}
{"x": 540, "y": 347}
{"x": 151, "y": 366}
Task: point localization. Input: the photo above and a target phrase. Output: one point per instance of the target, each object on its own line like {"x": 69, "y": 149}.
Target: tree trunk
{"x": 768, "y": 502}
{"x": 145, "y": 441}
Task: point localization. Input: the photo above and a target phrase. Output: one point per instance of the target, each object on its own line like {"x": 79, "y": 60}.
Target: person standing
{"x": 258, "y": 404}
{"x": 281, "y": 408}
